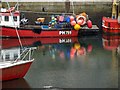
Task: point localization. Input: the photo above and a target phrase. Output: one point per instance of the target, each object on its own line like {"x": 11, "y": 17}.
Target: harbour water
{"x": 76, "y": 62}
{"x": 59, "y": 65}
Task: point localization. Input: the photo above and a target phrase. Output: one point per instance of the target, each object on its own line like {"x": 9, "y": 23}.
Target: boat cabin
{"x": 9, "y": 54}
{"x": 9, "y": 18}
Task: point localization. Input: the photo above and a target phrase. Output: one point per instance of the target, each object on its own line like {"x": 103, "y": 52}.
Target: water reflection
{"x": 70, "y": 63}
{"x": 6, "y": 43}
{"x": 112, "y": 43}
{"x": 18, "y": 83}
{"x": 66, "y": 51}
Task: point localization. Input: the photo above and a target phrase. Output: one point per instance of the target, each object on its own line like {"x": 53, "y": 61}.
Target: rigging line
{"x": 73, "y": 8}
{"x": 15, "y": 27}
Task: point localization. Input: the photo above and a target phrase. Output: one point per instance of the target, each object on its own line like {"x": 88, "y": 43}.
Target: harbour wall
{"x": 63, "y": 7}
{"x": 95, "y": 10}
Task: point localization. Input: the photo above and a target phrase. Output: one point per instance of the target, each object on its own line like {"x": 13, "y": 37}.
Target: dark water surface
{"x": 72, "y": 64}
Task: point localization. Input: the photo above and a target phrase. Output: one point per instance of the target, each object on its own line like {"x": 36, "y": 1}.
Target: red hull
{"x": 14, "y": 72}
{"x": 111, "y": 42}
{"x": 110, "y": 26}
{"x": 11, "y": 32}
{"x": 6, "y": 43}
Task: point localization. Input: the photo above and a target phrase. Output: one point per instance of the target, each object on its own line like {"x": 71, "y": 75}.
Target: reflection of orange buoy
{"x": 89, "y": 24}
{"x": 72, "y": 52}
{"x": 62, "y": 55}
{"x": 89, "y": 48}
{"x": 81, "y": 51}
{"x": 73, "y": 23}
{"x": 76, "y": 45}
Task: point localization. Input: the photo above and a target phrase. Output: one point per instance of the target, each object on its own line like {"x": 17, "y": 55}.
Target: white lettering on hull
{"x": 65, "y": 40}
{"x": 65, "y": 32}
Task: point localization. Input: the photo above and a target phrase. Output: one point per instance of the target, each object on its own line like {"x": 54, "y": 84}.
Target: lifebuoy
{"x": 81, "y": 17}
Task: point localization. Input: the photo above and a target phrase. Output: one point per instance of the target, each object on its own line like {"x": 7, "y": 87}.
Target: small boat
{"x": 112, "y": 25}
{"x": 14, "y": 64}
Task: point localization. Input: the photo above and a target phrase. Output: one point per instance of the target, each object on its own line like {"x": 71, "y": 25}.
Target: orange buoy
{"x": 84, "y": 14}
{"x": 72, "y": 52}
{"x": 81, "y": 51}
{"x": 73, "y": 23}
{"x": 89, "y": 24}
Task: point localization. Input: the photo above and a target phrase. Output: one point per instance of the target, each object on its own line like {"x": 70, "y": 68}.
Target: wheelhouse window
{"x": 7, "y": 57}
{"x": 15, "y": 56}
{"x": 6, "y": 18}
{"x": 15, "y": 18}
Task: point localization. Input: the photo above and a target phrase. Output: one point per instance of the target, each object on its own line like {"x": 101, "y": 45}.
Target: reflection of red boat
{"x": 12, "y": 69}
{"x": 19, "y": 83}
{"x": 111, "y": 42}
{"x": 6, "y": 43}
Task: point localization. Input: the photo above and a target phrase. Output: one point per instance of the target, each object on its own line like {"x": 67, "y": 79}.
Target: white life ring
{"x": 84, "y": 19}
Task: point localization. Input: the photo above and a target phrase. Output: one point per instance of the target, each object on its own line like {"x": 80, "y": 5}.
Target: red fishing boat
{"x": 13, "y": 65}
{"x": 14, "y": 62}
{"x": 112, "y": 25}
{"x": 10, "y": 22}
{"x": 60, "y": 26}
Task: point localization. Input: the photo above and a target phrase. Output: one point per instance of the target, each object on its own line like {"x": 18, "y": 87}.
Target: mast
{"x": 119, "y": 12}
{"x": 114, "y": 9}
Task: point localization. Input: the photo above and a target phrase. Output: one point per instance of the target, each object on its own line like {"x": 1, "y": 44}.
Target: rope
{"x": 73, "y": 8}
{"x": 15, "y": 27}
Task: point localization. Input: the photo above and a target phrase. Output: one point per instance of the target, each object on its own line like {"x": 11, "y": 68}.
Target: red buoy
{"x": 89, "y": 24}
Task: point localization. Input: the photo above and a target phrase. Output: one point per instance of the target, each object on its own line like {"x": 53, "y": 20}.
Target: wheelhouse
{"x": 9, "y": 18}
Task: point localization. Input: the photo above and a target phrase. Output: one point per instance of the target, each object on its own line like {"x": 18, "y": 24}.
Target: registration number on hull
{"x": 65, "y": 32}
{"x": 65, "y": 40}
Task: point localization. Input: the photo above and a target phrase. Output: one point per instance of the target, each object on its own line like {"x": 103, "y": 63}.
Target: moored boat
{"x": 111, "y": 25}
{"x": 13, "y": 63}
{"x": 60, "y": 25}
